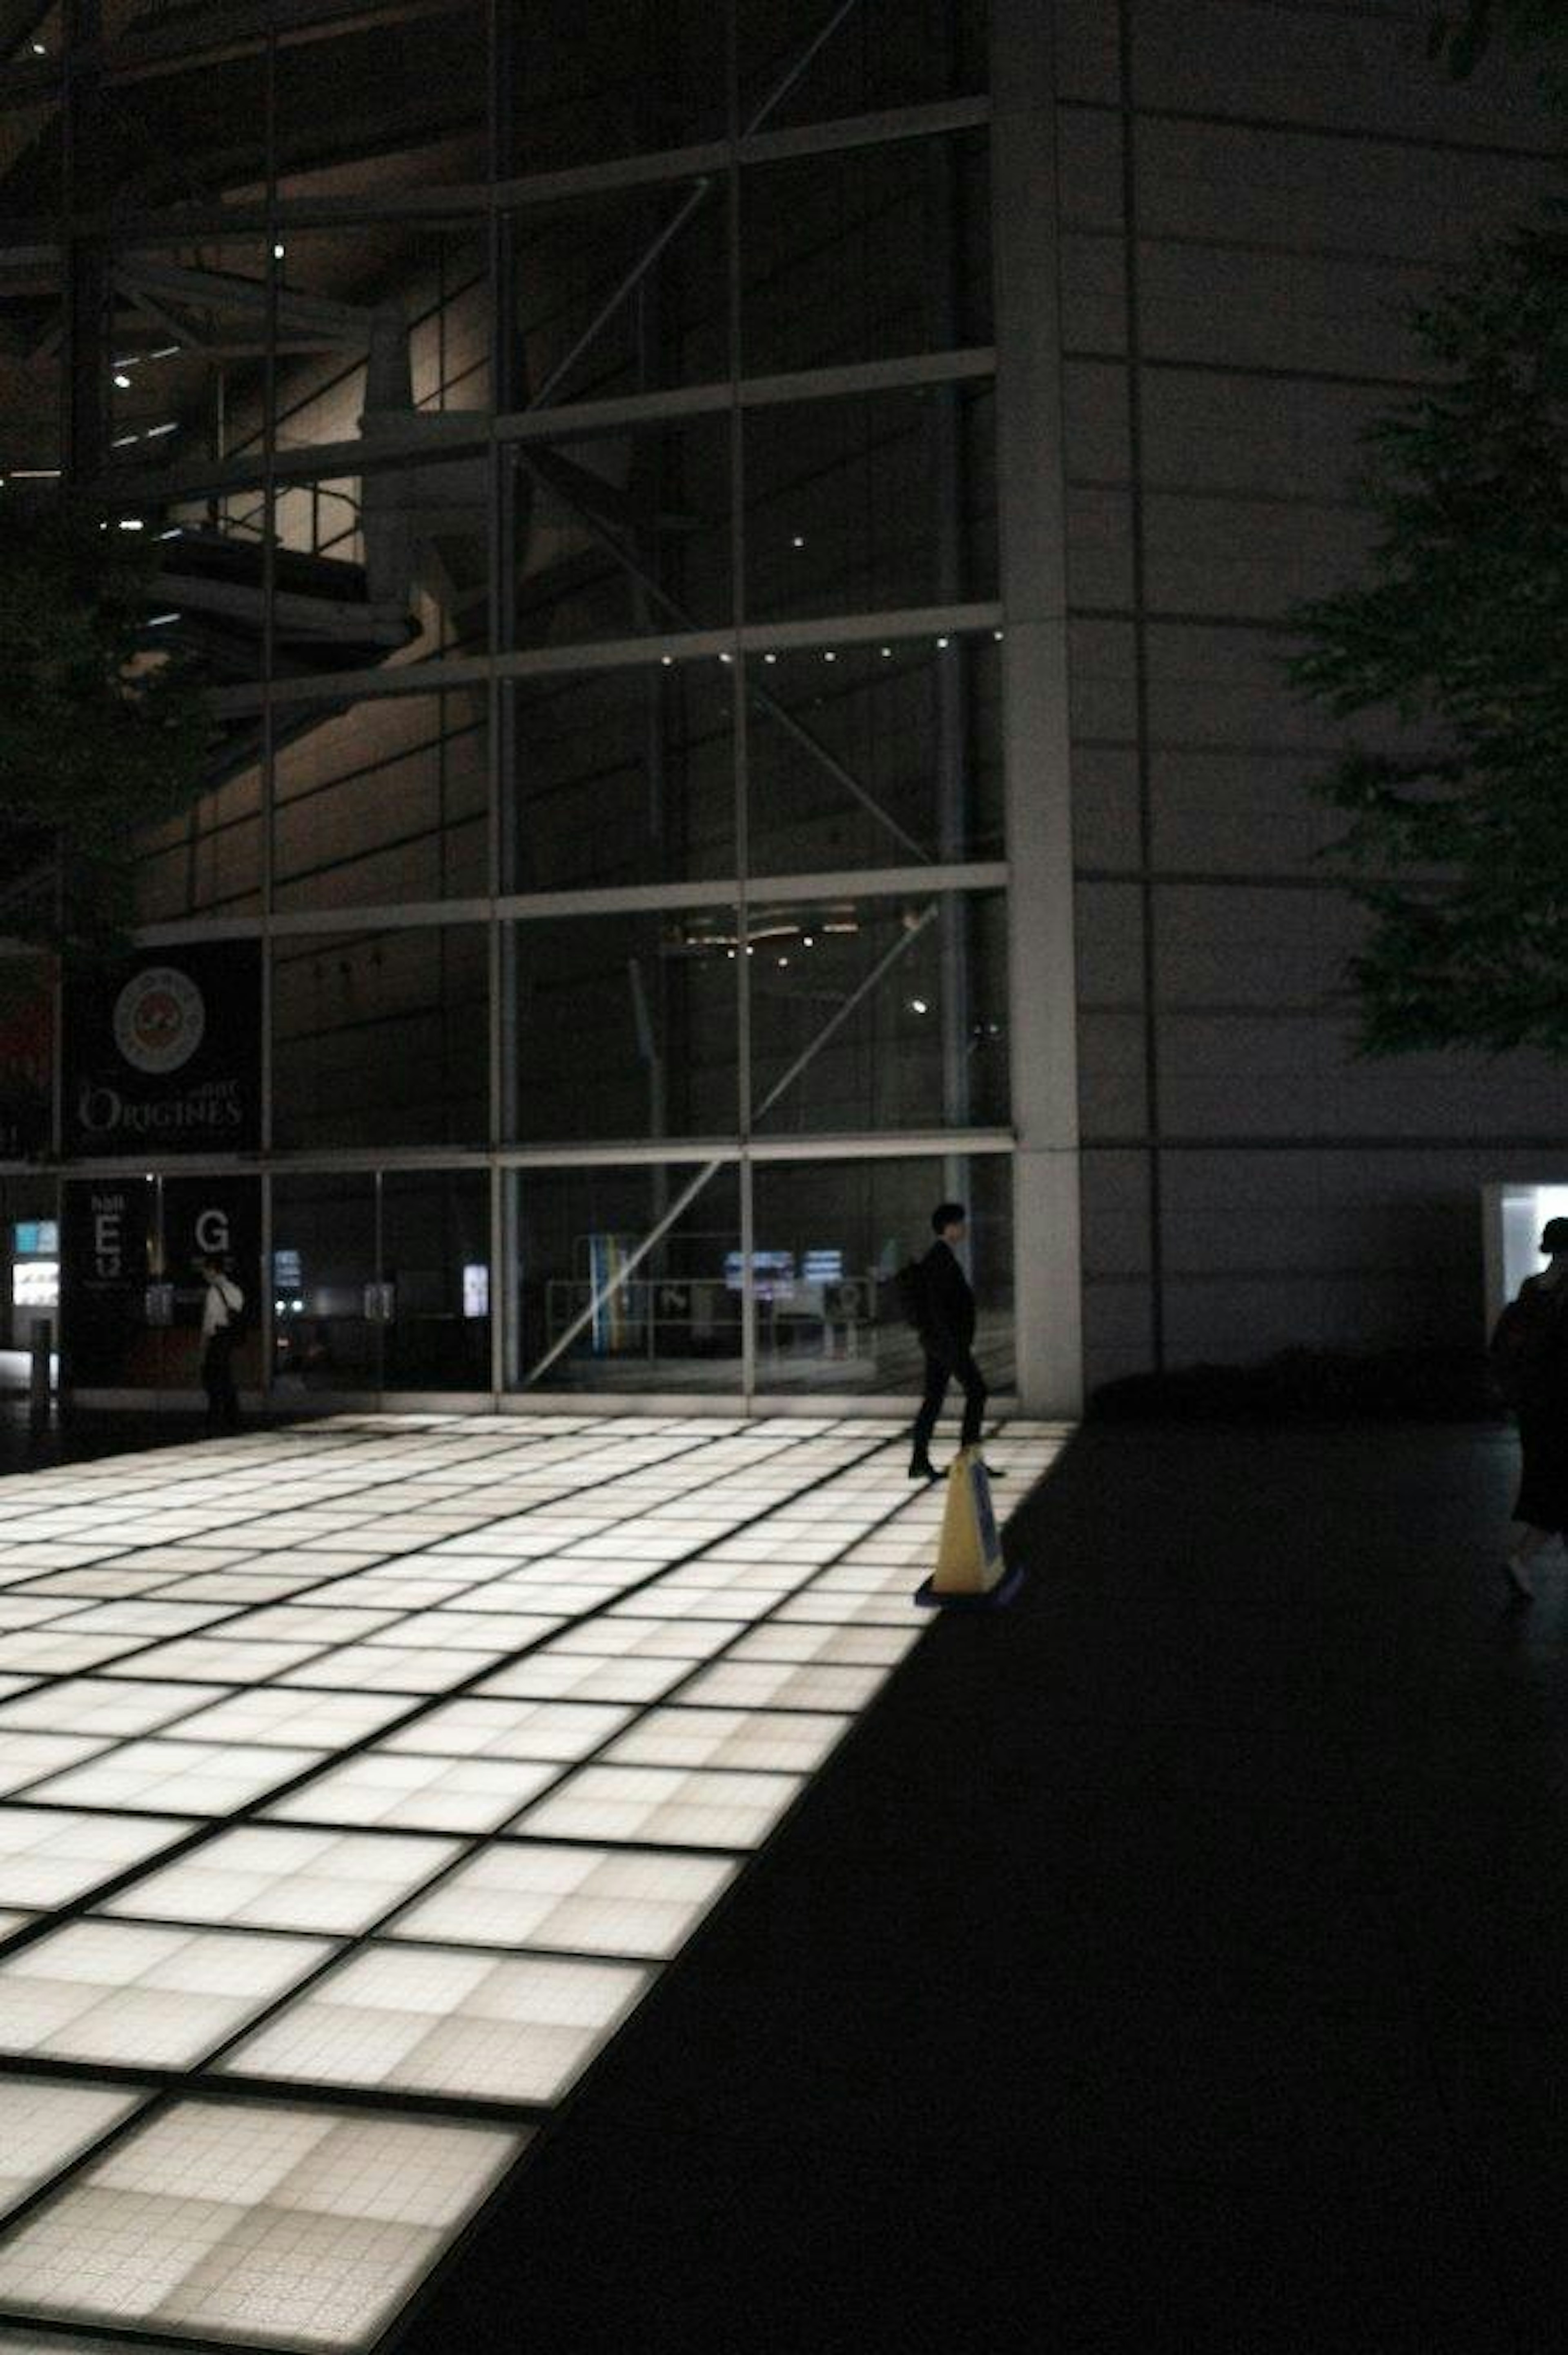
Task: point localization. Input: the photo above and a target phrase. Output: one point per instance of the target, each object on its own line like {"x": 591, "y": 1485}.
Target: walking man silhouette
{"x": 946, "y": 1327}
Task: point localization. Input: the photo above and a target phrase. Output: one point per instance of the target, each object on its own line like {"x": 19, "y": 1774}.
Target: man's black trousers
{"x": 940, "y": 1371}
{"x": 217, "y": 1380}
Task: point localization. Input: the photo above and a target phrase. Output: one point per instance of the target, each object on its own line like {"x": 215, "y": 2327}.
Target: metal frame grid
{"x": 1036, "y": 875}
{"x": 355, "y": 1785}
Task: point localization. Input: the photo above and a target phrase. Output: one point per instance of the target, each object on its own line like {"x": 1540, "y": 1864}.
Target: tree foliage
{"x": 99, "y": 733}
{"x": 1458, "y": 849}
{"x": 1461, "y": 37}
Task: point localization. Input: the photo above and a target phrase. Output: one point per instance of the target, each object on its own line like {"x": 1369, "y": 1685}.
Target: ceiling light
{"x": 830, "y": 656}
{"x": 131, "y": 523}
{"x": 942, "y": 641}
{"x": 123, "y": 380}
{"x": 918, "y": 1006}
{"x": 885, "y": 651}
{"x": 769, "y": 657}
{"x": 165, "y": 352}
{"x": 278, "y": 252}
{"x": 172, "y": 426}
{"x": 158, "y": 621}
{"x": 39, "y": 50}
{"x": 799, "y": 541}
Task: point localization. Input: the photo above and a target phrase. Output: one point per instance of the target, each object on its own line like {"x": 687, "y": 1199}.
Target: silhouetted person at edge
{"x": 946, "y": 1327}
{"x": 219, "y": 1333}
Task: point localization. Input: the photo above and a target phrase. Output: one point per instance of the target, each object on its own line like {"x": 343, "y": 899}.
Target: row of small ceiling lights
{"x": 808, "y": 941}
{"x": 829, "y": 654}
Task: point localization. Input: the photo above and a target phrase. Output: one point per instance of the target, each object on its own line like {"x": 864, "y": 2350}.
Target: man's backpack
{"x": 1523, "y": 1343}
{"x": 909, "y": 1290}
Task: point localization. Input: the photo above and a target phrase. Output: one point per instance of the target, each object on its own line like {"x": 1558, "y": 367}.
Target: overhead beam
{"x": 434, "y": 436}
{"x": 474, "y": 200}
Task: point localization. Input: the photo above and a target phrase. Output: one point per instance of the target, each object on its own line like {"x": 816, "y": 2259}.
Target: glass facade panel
{"x": 176, "y": 119}
{"x": 626, "y": 1026}
{"x": 836, "y": 1232}
{"x": 866, "y": 255}
{"x": 27, "y": 1056}
{"x": 582, "y": 84}
{"x": 623, "y": 291}
{"x": 32, "y": 348}
{"x": 188, "y": 323}
{"x": 622, "y": 535}
{"x": 208, "y": 862}
{"x": 443, "y": 381}
{"x": 29, "y": 1263}
{"x": 30, "y": 154}
{"x": 885, "y": 756}
{"x": 397, "y": 101}
{"x": 853, "y": 506}
{"x": 384, "y": 802}
{"x": 380, "y": 1038}
{"x": 593, "y": 1309}
{"x": 880, "y": 1014}
{"x": 620, "y": 777}
{"x": 883, "y": 53}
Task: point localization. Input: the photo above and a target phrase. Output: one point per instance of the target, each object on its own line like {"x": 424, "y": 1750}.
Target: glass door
{"x": 436, "y": 1279}
{"x": 328, "y": 1301}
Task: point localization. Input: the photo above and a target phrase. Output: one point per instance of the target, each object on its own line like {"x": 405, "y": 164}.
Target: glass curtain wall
{"x": 567, "y": 446}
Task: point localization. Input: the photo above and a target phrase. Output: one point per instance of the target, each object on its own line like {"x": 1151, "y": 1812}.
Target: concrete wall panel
{"x": 1346, "y": 68}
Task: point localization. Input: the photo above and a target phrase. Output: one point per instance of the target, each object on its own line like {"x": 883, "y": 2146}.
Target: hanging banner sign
{"x": 215, "y": 1218}
{"x": 162, "y": 1053}
{"x": 106, "y": 1263}
{"x": 26, "y": 1063}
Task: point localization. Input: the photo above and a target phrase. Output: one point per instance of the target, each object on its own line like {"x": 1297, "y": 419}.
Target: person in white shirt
{"x": 219, "y": 1332}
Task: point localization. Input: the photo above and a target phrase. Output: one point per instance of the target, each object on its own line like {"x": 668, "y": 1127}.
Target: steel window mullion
{"x": 601, "y": 1154}
{"x": 577, "y": 420}
{"x": 455, "y": 434}
{"x": 341, "y": 689}
{"x": 413, "y": 915}
{"x": 835, "y": 136}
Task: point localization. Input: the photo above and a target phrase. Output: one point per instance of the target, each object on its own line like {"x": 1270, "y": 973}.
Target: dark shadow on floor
{"x": 1171, "y": 1963}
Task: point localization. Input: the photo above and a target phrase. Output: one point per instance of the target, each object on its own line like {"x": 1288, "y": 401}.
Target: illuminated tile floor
{"x": 355, "y": 1784}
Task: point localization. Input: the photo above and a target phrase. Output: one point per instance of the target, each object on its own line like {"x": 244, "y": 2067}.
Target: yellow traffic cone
{"x": 970, "y": 1564}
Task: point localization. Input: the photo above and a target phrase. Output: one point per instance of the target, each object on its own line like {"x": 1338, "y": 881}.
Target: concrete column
{"x": 1043, "y": 1010}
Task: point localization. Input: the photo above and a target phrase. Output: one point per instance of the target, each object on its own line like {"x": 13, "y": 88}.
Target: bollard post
{"x": 39, "y": 1388}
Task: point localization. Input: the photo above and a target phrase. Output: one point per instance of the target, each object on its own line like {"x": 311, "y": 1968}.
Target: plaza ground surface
{"x": 1172, "y": 1962}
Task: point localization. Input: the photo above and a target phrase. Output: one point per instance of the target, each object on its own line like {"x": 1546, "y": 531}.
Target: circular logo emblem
{"x": 159, "y": 1018}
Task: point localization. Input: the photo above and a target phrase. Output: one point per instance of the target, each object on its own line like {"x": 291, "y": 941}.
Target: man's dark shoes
{"x": 924, "y": 1469}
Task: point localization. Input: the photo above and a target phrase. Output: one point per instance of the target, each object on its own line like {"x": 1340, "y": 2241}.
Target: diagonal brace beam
{"x": 710, "y": 1169}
